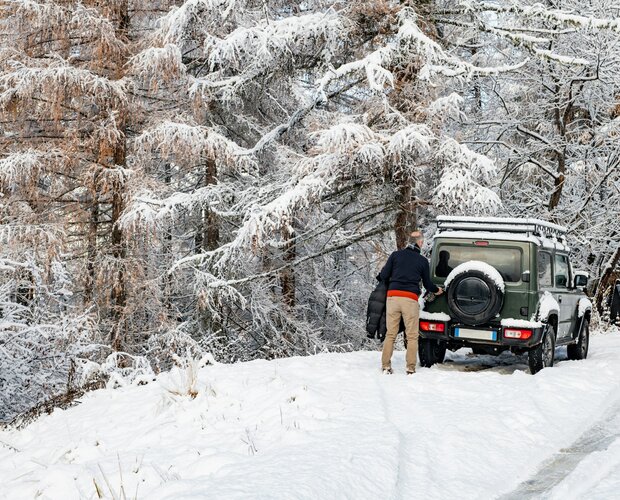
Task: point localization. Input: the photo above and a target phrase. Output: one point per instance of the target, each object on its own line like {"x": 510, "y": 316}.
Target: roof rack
{"x": 534, "y": 227}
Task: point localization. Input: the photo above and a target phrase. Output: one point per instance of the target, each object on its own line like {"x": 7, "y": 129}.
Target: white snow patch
{"x": 476, "y": 265}
{"x": 520, "y": 323}
{"x": 546, "y": 305}
{"x": 584, "y": 306}
{"x": 434, "y": 316}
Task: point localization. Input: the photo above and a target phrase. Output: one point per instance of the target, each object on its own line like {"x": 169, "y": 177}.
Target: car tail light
{"x": 431, "y": 326}
{"x": 481, "y": 243}
{"x": 517, "y": 333}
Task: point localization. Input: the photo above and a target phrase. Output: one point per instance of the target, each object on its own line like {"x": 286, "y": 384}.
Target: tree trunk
{"x": 91, "y": 253}
{"x": 208, "y": 234}
{"x": 212, "y": 235}
{"x": 119, "y": 292}
{"x": 556, "y": 195}
{"x": 119, "y": 251}
{"x": 608, "y": 279}
{"x": 287, "y": 276}
{"x": 167, "y": 250}
{"x": 406, "y": 219}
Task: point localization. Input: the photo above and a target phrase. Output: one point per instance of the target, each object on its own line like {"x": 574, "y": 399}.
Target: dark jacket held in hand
{"x": 376, "y": 326}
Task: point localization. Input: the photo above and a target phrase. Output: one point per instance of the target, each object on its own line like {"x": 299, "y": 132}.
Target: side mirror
{"x": 581, "y": 279}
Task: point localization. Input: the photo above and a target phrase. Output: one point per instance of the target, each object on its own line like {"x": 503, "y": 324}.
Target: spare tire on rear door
{"x": 475, "y": 292}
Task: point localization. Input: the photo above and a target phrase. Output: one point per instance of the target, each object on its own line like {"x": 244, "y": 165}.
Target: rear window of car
{"x": 506, "y": 260}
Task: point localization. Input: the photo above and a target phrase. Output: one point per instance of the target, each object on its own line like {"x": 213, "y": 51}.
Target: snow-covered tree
{"x": 229, "y": 175}
{"x": 551, "y": 124}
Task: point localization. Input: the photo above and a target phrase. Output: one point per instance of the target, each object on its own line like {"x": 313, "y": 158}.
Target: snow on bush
{"x": 39, "y": 360}
{"x": 476, "y": 265}
{"x": 182, "y": 379}
{"x": 120, "y": 369}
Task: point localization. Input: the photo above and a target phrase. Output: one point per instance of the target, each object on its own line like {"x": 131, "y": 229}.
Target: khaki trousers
{"x": 409, "y": 309}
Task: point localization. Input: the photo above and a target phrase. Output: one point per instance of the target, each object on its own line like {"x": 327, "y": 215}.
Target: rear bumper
{"x": 449, "y": 336}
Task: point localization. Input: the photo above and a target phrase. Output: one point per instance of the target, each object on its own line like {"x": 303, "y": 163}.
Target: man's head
{"x": 417, "y": 238}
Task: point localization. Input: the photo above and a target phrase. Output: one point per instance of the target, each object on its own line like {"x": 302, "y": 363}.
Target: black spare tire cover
{"x": 473, "y": 297}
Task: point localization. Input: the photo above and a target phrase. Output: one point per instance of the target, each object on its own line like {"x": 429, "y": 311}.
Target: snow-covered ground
{"x": 331, "y": 426}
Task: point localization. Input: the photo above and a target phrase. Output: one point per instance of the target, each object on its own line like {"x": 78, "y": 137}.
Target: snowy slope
{"x": 326, "y": 426}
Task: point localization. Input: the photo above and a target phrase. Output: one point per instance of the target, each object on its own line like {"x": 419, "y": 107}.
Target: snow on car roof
{"x": 496, "y": 235}
{"x": 507, "y": 222}
{"x": 537, "y": 231}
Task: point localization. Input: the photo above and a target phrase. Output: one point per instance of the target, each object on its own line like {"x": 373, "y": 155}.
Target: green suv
{"x": 509, "y": 285}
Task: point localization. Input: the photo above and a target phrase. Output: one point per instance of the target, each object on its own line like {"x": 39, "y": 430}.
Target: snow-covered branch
{"x": 58, "y": 79}
{"x": 155, "y": 65}
{"x": 77, "y": 20}
{"x": 186, "y": 142}
{"x": 540, "y": 12}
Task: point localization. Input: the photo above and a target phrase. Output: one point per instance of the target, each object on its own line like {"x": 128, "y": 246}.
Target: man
{"x": 404, "y": 270}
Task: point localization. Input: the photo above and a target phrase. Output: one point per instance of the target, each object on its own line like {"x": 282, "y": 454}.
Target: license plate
{"x": 465, "y": 333}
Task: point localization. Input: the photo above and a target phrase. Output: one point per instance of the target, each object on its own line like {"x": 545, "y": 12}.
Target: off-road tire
{"x": 579, "y": 350}
{"x": 543, "y": 354}
{"x": 492, "y": 306}
{"x": 431, "y": 351}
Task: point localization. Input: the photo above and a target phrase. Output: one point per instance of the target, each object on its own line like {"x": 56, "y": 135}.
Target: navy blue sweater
{"x": 405, "y": 269}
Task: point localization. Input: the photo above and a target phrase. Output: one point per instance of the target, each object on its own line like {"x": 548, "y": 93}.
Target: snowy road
{"x": 603, "y": 435}
{"x": 331, "y": 426}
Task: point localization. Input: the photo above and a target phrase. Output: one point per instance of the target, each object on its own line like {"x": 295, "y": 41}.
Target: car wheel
{"x": 543, "y": 354}
{"x": 579, "y": 350}
{"x": 431, "y": 351}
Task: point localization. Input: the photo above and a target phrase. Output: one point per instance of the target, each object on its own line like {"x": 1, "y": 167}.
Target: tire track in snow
{"x": 388, "y": 418}
{"x": 596, "y": 438}
{"x": 402, "y": 426}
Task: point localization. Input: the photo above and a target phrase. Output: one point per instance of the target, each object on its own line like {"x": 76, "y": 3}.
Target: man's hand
{"x": 439, "y": 292}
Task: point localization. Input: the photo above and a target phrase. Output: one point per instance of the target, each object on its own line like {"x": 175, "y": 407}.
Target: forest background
{"x": 226, "y": 177}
